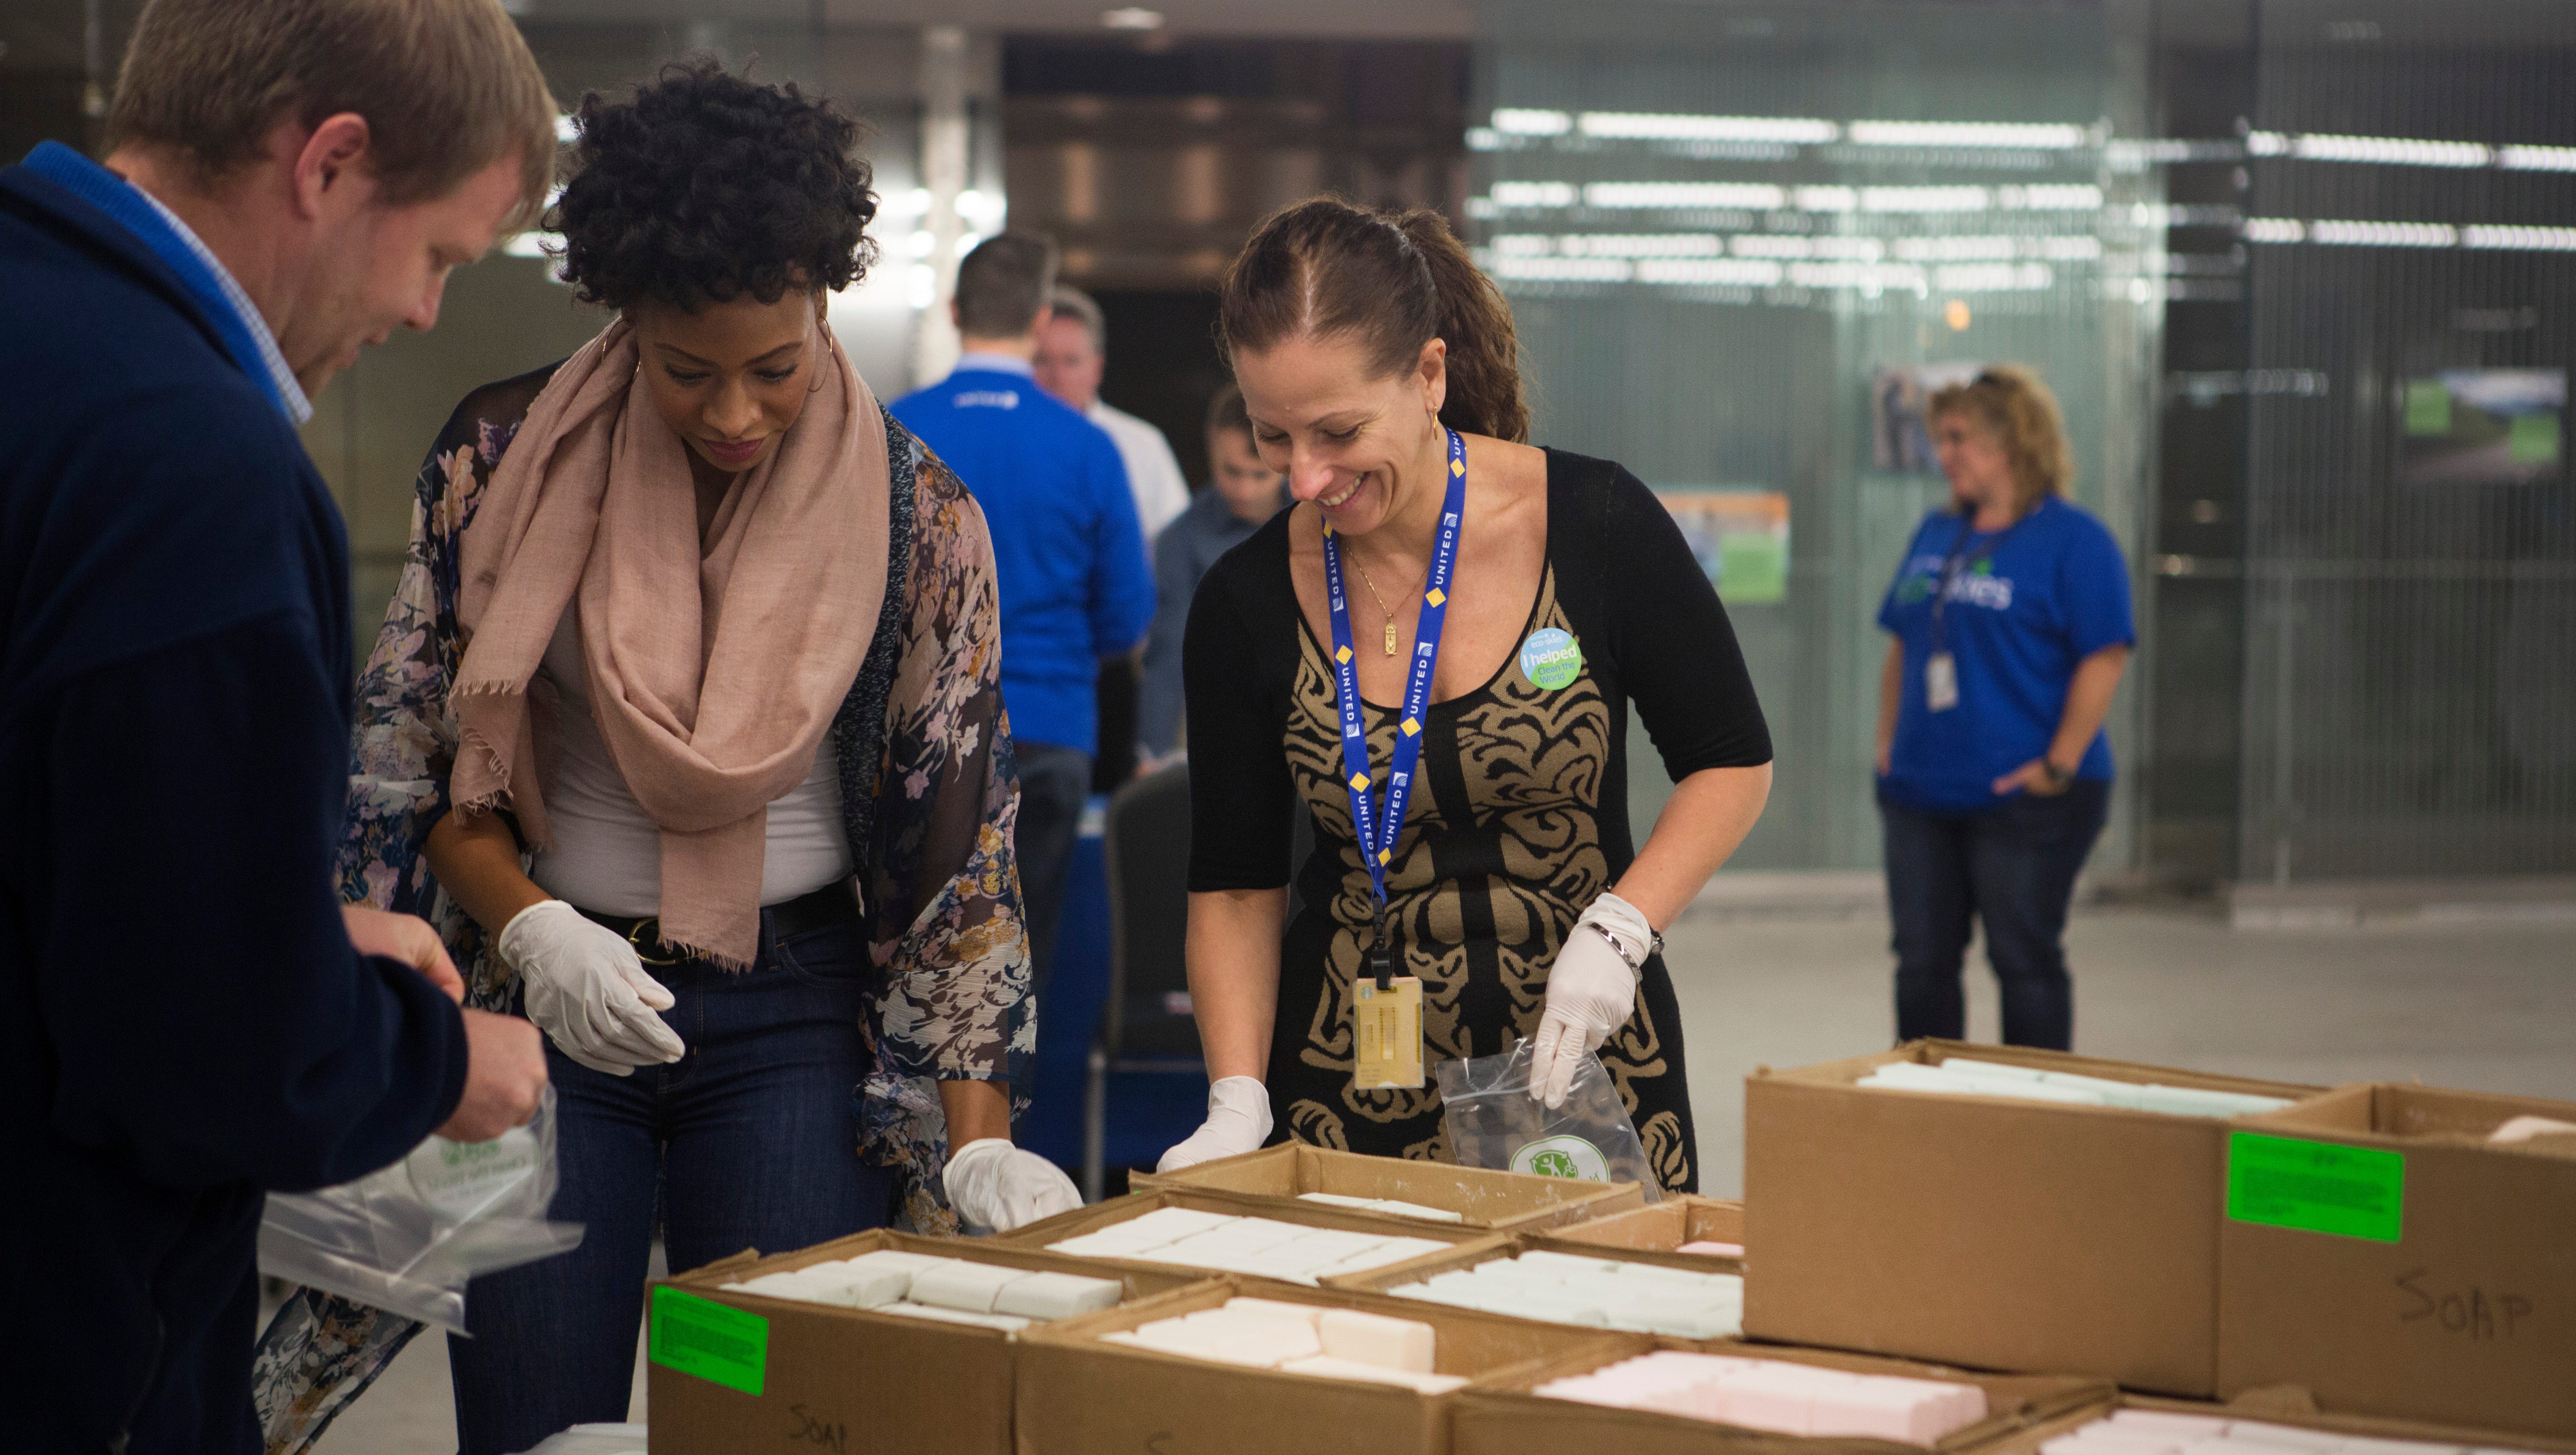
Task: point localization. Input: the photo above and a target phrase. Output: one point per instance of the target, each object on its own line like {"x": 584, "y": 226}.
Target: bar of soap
{"x": 774, "y": 1285}
{"x": 1311, "y": 1313}
{"x": 1171, "y": 1223}
{"x": 852, "y": 1287}
{"x": 1007, "y": 1323}
{"x": 1056, "y": 1295}
{"x": 2523, "y": 1129}
{"x": 969, "y": 1287}
{"x": 1416, "y": 1210}
{"x": 1389, "y": 1343}
{"x": 1328, "y": 1367}
{"x": 1713, "y": 1248}
{"x": 891, "y": 1258}
{"x": 2168, "y": 1422}
{"x": 1883, "y": 1410}
{"x": 1333, "y": 1199}
{"x": 1268, "y": 1343}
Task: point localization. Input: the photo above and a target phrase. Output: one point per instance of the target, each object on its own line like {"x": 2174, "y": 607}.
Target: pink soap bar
{"x": 1766, "y": 1399}
{"x": 1883, "y": 1410}
{"x": 1719, "y": 1250}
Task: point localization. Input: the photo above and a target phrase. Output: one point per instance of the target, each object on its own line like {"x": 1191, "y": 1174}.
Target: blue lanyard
{"x": 1960, "y": 561}
{"x": 1377, "y": 832}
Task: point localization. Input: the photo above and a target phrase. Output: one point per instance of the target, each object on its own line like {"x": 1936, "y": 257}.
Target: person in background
{"x": 1073, "y": 348}
{"x": 1073, "y": 351}
{"x": 196, "y": 1018}
{"x": 2011, "y": 626}
{"x": 1242, "y": 494}
{"x": 1075, "y": 586}
{"x": 765, "y": 913}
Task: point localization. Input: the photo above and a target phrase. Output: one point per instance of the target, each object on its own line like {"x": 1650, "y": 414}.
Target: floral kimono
{"x": 928, "y": 792}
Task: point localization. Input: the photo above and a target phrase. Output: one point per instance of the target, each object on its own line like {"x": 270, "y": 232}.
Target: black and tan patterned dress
{"x": 1519, "y": 814}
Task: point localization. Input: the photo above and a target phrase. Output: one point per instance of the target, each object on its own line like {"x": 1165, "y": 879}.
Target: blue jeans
{"x": 748, "y": 1141}
{"x": 2012, "y": 866}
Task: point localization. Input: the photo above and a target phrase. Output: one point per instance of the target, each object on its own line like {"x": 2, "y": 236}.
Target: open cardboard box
{"x": 2294, "y": 1409}
{"x": 1396, "y": 1275}
{"x": 2380, "y": 1254}
{"x": 1658, "y": 1228}
{"x": 1484, "y": 1199}
{"x": 1312, "y": 1214}
{"x": 778, "y": 1375}
{"x": 1500, "y": 1416}
{"x": 1988, "y": 1232}
{"x": 1077, "y": 1395}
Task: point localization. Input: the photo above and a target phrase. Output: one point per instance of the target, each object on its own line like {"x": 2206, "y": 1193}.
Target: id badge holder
{"x": 1387, "y": 1049}
{"x": 1941, "y": 682}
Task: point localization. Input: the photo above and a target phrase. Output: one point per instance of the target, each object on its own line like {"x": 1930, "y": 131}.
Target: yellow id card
{"x": 1388, "y": 1048}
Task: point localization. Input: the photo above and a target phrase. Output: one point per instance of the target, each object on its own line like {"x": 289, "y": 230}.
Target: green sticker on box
{"x": 721, "y": 1345}
{"x": 2316, "y": 1187}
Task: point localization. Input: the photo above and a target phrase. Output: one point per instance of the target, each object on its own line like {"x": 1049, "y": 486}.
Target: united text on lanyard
{"x": 1377, "y": 830}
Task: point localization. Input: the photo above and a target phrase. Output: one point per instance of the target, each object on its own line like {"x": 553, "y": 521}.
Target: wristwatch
{"x": 2057, "y": 777}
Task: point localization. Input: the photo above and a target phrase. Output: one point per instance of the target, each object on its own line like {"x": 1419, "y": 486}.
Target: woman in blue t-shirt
{"x": 2011, "y": 622}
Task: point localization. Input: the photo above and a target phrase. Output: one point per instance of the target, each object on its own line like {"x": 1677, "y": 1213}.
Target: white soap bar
{"x": 774, "y": 1285}
{"x": 1268, "y": 1343}
{"x": 1328, "y": 1367}
{"x": 1171, "y": 1223}
{"x": 1103, "y": 1245}
{"x": 2000, "y": 1070}
{"x": 1376, "y": 1339}
{"x": 971, "y": 1287}
{"x": 1056, "y": 1295}
{"x": 852, "y": 1287}
{"x": 1333, "y": 1199}
{"x": 1006, "y": 1322}
{"x": 890, "y": 1258}
{"x": 1311, "y": 1313}
{"x": 2289, "y": 1436}
{"x": 1396, "y": 1250}
{"x": 1416, "y": 1210}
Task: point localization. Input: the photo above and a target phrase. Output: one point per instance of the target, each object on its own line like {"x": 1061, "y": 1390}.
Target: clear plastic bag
{"x": 407, "y": 1238}
{"x": 1495, "y": 1123}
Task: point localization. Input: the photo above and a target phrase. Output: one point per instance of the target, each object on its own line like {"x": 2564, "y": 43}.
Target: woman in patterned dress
{"x": 1362, "y": 340}
{"x": 685, "y": 729}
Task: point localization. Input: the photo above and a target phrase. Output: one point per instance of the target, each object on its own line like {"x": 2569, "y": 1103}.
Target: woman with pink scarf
{"x": 686, "y": 729}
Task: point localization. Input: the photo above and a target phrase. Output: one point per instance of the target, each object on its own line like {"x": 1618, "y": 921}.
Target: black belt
{"x": 831, "y": 905}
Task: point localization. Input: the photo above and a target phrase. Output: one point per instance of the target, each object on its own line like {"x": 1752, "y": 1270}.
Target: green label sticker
{"x": 2532, "y": 439}
{"x": 2428, "y": 407}
{"x": 718, "y": 1344}
{"x": 2316, "y": 1187}
{"x": 1562, "y": 1156}
{"x": 1550, "y": 658}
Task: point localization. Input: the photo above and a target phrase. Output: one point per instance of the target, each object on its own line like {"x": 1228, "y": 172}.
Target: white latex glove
{"x": 992, "y": 1184}
{"x": 1238, "y": 1121}
{"x": 1591, "y": 991}
{"x": 587, "y": 991}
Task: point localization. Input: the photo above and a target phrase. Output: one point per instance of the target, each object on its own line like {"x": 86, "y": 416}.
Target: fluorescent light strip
{"x": 1659, "y": 126}
{"x": 1527, "y": 121}
{"x": 1765, "y": 197}
{"x": 2396, "y": 151}
{"x": 2520, "y": 239}
{"x": 2055, "y": 136}
{"x": 2483, "y": 236}
{"x": 1644, "y": 196}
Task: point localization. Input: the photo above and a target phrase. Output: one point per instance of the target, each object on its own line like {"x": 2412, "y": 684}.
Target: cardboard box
{"x": 1135, "y": 1205}
{"x": 2379, "y": 1253}
{"x": 1987, "y": 1232}
{"x": 1501, "y": 1417}
{"x": 2292, "y": 1408}
{"x": 1661, "y": 1228}
{"x": 1493, "y": 1201}
{"x": 1078, "y": 1396}
{"x": 776, "y": 1375}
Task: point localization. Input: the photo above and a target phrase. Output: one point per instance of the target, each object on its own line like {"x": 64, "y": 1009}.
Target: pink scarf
{"x": 714, "y": 702}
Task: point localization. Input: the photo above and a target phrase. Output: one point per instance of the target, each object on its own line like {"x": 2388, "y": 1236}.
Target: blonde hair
{"x": 2017, "y": 409}
{"x": 447, "y": 88}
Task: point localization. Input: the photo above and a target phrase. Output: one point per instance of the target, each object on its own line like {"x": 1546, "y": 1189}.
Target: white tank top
{"x": 608, "y": 854}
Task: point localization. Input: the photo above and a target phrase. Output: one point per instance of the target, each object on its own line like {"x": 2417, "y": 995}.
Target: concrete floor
{"x": 2487, "y": 1006}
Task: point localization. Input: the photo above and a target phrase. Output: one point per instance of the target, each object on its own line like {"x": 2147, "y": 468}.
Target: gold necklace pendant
{"x": 1390, "y": 637}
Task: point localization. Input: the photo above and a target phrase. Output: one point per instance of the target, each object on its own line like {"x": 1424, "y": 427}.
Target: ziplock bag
{"x": 1495, "y": 1123}
{"x": 407, "y": 1238}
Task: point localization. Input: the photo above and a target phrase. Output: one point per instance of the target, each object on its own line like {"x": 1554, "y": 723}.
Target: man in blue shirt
{"x": 193, "y": 1018}
{"x": 1066, "y": 546}
{"x": 1241, "y": 496}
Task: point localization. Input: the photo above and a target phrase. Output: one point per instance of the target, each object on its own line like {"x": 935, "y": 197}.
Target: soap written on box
{"x": 949, "y": 1290}
{"x": 2174, "y": 1432}
{"x": 1301, "y": 1339}
{"x": 1771, "y": 1394}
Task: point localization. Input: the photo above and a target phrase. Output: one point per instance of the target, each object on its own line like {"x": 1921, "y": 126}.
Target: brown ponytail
{"x": 1395, "y": 281}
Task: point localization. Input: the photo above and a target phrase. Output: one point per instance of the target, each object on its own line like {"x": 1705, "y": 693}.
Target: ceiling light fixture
{"x": 1132, "y": 17}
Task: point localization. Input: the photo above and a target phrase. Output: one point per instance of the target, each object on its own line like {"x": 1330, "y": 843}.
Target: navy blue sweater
{"x": 183, "y": 1024}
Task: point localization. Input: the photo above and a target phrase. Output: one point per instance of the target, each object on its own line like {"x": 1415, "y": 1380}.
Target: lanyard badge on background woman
{"x": 1941, "y": 669}
{"x": 1387, "y": 1046}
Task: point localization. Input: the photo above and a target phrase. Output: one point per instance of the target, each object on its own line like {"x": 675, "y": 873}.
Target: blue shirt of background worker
{"x": 2047, "y": 591}
{"x": 1070, "y": 556}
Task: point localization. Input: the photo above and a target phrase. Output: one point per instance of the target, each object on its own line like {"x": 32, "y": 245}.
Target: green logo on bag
{"x": 1550, "y": 659}
{"x": 1562, "y": 1156}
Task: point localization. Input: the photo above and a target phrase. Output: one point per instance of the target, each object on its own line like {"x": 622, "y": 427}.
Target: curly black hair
{"x": 707, "y": 186}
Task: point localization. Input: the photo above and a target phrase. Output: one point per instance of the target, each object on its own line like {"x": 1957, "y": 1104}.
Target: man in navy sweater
{"x": 1075, "y": 586}
{"x": 191, "y": 1016}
